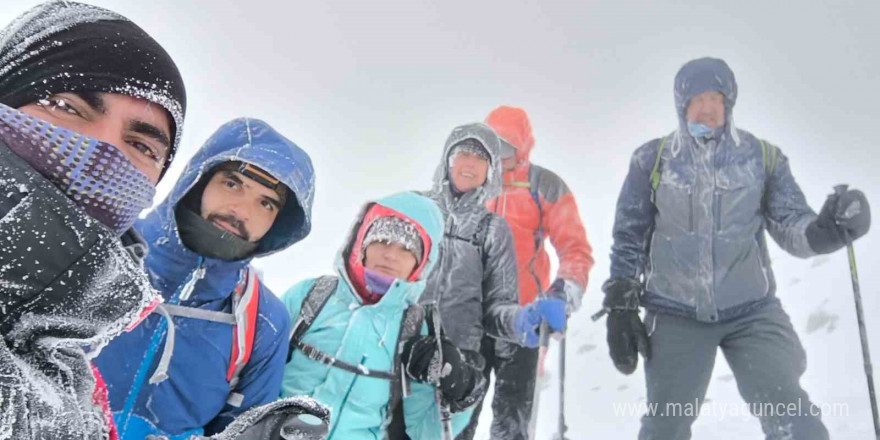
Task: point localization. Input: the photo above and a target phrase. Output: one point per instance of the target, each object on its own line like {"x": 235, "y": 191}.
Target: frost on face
{"x": 31, "y": 35}
{"x": 487, "y": 138}
{"x": 54, "y": 323}
{"x": 39, "y": 24}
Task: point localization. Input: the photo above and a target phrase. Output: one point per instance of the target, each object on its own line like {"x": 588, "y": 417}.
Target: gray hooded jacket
{"x": 701, "y": 243}
{"x": 475, "y": 281}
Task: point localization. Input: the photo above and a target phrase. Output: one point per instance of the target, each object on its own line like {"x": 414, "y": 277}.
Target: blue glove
{"x": 527, "y": 321}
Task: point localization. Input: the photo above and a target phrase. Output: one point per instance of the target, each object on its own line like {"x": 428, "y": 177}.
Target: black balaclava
{"x": 72, "y": 47}
{"x": 200, "y": 235}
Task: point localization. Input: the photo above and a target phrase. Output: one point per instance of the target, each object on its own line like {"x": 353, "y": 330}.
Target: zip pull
{"x": 190, "y": 285}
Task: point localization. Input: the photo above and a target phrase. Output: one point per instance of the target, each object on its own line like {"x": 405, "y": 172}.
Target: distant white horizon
{"x": 371, "y": 90}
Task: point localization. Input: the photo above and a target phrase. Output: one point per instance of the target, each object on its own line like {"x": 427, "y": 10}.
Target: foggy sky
{"x": 371, "y": 90}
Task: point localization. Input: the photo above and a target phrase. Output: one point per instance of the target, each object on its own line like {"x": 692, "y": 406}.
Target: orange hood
{"x": 512, "y": 124}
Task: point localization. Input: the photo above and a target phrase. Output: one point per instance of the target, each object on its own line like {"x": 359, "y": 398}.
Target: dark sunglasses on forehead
{"x": 262, "y": 177}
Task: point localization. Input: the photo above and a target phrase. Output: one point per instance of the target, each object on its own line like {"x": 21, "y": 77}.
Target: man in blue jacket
{"x": 217, "y": 344}
{"x": 691, "y": 218}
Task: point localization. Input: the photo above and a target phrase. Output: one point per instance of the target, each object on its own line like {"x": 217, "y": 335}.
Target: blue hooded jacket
{"x": 701, "y": 242}
{"x": 196, "y": 391}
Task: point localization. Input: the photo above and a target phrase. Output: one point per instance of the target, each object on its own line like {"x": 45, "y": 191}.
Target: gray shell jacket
{"x": 475, "y": 281}
{"x": 701, "y": 244}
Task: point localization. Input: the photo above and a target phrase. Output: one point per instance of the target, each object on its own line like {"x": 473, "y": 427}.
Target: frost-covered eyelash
{"x": 58, "y": 103}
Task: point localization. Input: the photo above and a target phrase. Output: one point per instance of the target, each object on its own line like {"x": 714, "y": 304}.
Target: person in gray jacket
{"x": 475, "y": 282}
{"x": 690, "y": 223}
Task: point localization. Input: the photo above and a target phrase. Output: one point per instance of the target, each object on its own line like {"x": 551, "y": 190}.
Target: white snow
{"x": 372, "y": 90}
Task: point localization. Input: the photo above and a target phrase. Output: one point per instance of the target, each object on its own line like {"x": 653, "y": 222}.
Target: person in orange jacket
{"x": 537, "y": 204}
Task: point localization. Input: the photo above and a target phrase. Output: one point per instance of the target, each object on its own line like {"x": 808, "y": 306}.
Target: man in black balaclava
{"x": 91, "y": 109}
{"x": 91, "y": 112}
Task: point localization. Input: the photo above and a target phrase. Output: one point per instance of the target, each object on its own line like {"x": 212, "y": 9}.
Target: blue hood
{"x": 703, "y": 75}
{"x": 169, "y": 261}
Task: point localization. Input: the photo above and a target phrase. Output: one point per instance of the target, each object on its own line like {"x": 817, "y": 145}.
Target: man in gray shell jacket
{"x": 694, "y": 227}
{"x": 475, "y": 281}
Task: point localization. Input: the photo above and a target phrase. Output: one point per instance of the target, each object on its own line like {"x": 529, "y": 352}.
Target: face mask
{"x": 699, "y": 130}
{"x": 94, "y": 174}
{"x": 377, "y": 283}
{"x": 205, "y": 239}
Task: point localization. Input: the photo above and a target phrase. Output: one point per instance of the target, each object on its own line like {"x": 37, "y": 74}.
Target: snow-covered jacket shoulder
{"x": 67, "y": 285}
{"x": 196, "y": 391}
{"x": 701, "y": 243}
{"x": 475, "y": 281}
{"x": 366, "y": 335}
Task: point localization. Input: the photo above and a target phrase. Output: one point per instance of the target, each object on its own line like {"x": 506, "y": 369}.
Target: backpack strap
{"x": 410, "y": 326}
{"x": 482, "y": 232}
{"x": 243, "y": 319}
{"x": 538, "y": 234}
{"x": 769, "y": 167}
{"x": 478, "y": 239}
{"x": 314, "y": 302}
{"x": 774, "y": 154}
{"x": 655, "y": 172}
{"x": 245, "y": 304}
{"x": 311, "y": 307}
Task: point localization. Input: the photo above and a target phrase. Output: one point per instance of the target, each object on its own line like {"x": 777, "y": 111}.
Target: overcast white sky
{"x": 372, "y": 89}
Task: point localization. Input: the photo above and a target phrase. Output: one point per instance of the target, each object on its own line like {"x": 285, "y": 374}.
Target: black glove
{"x": 285, "y": 419}
{"x": 626, "y": 333}
{"x": 846, "y": 214}
{"x": 456, "y": 377}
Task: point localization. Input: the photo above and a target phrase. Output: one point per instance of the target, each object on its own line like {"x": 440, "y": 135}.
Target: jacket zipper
{"x": 690, "y": 210}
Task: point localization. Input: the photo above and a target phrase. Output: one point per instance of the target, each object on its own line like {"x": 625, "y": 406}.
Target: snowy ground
{"x": 817, "y": 295}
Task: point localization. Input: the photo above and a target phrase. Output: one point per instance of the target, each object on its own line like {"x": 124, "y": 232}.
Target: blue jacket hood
{"x": 170, "y": 262}
{"x": 703, "y": 75}
{"x": 255, "y": 142}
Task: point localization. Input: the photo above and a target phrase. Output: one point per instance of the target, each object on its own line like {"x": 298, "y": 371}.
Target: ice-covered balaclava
{"x": 94, "y": 174}
{"x": 201, "y": 236}
{"x": 63, "y": 46}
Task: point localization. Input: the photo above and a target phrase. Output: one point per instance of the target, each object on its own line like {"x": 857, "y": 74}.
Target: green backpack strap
{"x": 774, "y": 153}
{"x": 768, "y": 168}
{"x": 655, "y": 172}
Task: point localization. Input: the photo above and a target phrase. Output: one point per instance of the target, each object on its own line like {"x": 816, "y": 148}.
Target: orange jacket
{"x": 538, "y": 204}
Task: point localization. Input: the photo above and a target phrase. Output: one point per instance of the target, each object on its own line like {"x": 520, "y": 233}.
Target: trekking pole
{"x": 860, "y": 315}
{"x": 445, "y": 412}
{"x": 562, "y": 428}
{"x": 544, "y": 338}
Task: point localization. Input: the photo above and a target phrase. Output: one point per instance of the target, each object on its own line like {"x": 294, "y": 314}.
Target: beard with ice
{"x": 94, "y": 174}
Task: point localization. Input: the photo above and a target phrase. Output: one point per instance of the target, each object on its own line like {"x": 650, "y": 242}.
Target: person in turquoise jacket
{"x": 350, "y": 351}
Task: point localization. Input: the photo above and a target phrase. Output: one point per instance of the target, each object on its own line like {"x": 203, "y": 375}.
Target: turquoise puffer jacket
{"x": 367, "y": 335}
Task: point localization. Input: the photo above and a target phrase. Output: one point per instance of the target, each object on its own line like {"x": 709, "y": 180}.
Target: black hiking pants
{"x": 515, "y": 369}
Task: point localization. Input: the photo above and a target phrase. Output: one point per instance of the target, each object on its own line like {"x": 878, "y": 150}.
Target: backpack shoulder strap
{"x": 245, "y": 305}
{"x": 769, "y": 167}
{"x": 774, "y": 154}
{"x": 410, "y": 326}
{"x": 311, "y": 306}
{"x": 655, "y": 172}
{"x": 482, "y": 231}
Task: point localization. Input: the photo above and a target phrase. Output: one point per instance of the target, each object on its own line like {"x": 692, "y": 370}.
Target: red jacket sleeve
{"x": 563, "y": 225}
